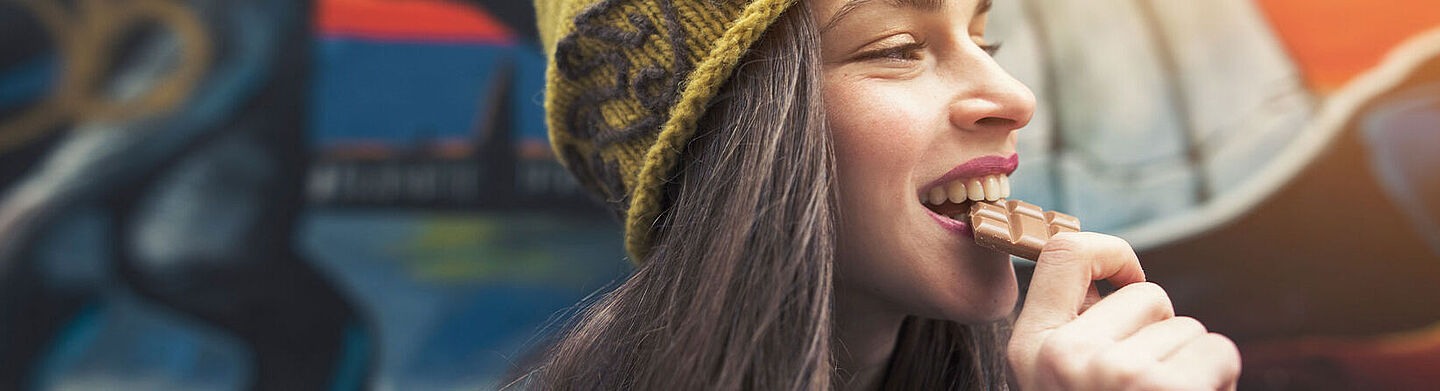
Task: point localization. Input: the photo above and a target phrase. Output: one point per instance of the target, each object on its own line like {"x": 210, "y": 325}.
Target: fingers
{"x": 1058, "y": 289}
{"x": 1161, "y": 339}
{"x": 1065, "y": 339}
{"x": 1196, "y": 360}
{"x": 1124, "y": 312}
{"x": 1211, "y": 361}
{"x": 1067, "y": 265}
{"x": 1087, "y": 347}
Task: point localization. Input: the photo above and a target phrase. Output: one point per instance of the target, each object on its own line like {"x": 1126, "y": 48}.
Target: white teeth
{"x": 975, "y": 190}
{"x": 956, "y": 190}
{"x": 992, "y": 188}
{"x": 937, "y": 195}
{"x": 986, "y": 188}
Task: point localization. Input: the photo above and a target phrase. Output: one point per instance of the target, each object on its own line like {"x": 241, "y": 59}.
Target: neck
{"x": 866, "y": 331}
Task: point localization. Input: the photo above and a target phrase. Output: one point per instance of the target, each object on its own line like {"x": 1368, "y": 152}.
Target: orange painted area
{"x": 1332, "y": 41}
{"x": 421, "y": 20}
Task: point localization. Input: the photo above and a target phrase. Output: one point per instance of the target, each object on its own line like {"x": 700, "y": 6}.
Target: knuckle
{"x": 1069, "y": 240}
{"x": 1068, "y": 247}
{"x": 1068, "y": 340}
{"x": 1050, "y": 354}
{"x": 1225, "y": 350}
{"x": 1150, "y": 298}
{"x": 1089, "y": 242}
{"x": 1116, "y": 246}
{"x": 1190, "y": 323}
{"x": 1118, "y": 367}
{"x": 1112, "y": 242}
{"x": 1148, "y": 288}
{"x": 1155, "y": 380}
{"x": 1063, "y": 354}
{"x": 1159, "y": 301}
{"x": 1064, "y": 247}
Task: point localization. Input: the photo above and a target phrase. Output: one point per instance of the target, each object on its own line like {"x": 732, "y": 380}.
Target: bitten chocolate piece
{"x": 1017, "y": 227}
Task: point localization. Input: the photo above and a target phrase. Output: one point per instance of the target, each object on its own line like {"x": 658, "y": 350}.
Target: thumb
{"x": 1067, "y": 265}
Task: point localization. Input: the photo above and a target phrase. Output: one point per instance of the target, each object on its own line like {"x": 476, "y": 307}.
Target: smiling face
{"x": 921, "y": 115}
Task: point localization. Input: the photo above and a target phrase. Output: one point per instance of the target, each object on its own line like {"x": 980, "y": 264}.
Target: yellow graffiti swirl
{"x": 84, "y": 39}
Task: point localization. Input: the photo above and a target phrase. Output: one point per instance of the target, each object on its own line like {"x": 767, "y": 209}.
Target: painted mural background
{"x": 341, "y": 194}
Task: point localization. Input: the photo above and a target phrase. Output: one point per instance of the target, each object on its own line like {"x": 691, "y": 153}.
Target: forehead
{"x": 832, "y": 11}
{"x": 925, "y": 5}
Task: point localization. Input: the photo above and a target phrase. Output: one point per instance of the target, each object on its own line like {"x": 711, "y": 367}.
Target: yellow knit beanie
{"x": 626, "y": 83}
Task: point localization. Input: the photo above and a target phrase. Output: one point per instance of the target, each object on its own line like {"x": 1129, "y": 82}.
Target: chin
{"x": 1002, "y": 305}
{"x": 988, "y": 297}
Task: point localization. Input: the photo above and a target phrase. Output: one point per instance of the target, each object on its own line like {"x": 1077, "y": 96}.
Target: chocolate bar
{"x": 1017, "y": 227}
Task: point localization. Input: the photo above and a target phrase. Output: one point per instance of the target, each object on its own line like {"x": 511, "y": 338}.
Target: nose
{"x": 995, "y": 102}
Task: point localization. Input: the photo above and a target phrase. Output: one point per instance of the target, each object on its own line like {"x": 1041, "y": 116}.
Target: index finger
{"x": 1064, "y": 272}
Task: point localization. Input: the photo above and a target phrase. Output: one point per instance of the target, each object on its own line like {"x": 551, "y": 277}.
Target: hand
{"x": 1130, "y": 340}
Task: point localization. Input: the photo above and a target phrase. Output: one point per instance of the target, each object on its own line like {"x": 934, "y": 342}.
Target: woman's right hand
{"x": 1129, "y": 340}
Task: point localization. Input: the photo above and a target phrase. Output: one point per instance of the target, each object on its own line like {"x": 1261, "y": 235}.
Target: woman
{"x": 785, "y": 170}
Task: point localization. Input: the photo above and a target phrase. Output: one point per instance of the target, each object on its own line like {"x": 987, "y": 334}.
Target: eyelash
{"x": 907, "y": 52}
{"x": 991, "y": 48}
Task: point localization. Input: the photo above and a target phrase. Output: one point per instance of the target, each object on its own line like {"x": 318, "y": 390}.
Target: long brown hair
{"x": 736, "y": 293}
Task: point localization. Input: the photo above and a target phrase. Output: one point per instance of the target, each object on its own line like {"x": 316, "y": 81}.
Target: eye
{"x": 905, "y": 52}
{"x": 991, "y": 48}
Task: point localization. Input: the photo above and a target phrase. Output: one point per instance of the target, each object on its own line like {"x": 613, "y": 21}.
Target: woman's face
{"x": 920, "y": 114}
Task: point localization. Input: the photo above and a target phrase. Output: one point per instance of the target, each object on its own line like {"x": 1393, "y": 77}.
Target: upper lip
{"x": 977, "y": 167}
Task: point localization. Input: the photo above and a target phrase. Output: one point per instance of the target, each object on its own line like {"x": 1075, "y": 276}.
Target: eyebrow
{"x": 924, "y": 5}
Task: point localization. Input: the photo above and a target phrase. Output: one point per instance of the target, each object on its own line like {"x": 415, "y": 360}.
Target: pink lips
{"x": 952, "y": 225}
{"x": 977, "y": 167}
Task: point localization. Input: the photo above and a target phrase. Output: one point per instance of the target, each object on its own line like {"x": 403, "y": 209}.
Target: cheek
{"x": 877, "y": 148}
{"x": 878, "y": 142}
{"x": 879, "y": 139}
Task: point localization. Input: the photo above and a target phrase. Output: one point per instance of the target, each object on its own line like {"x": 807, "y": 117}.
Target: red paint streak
{"x": 410, "y": 20}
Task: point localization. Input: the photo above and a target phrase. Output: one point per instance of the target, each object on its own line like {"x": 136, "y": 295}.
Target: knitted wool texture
{"x": 626, "y": 83}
